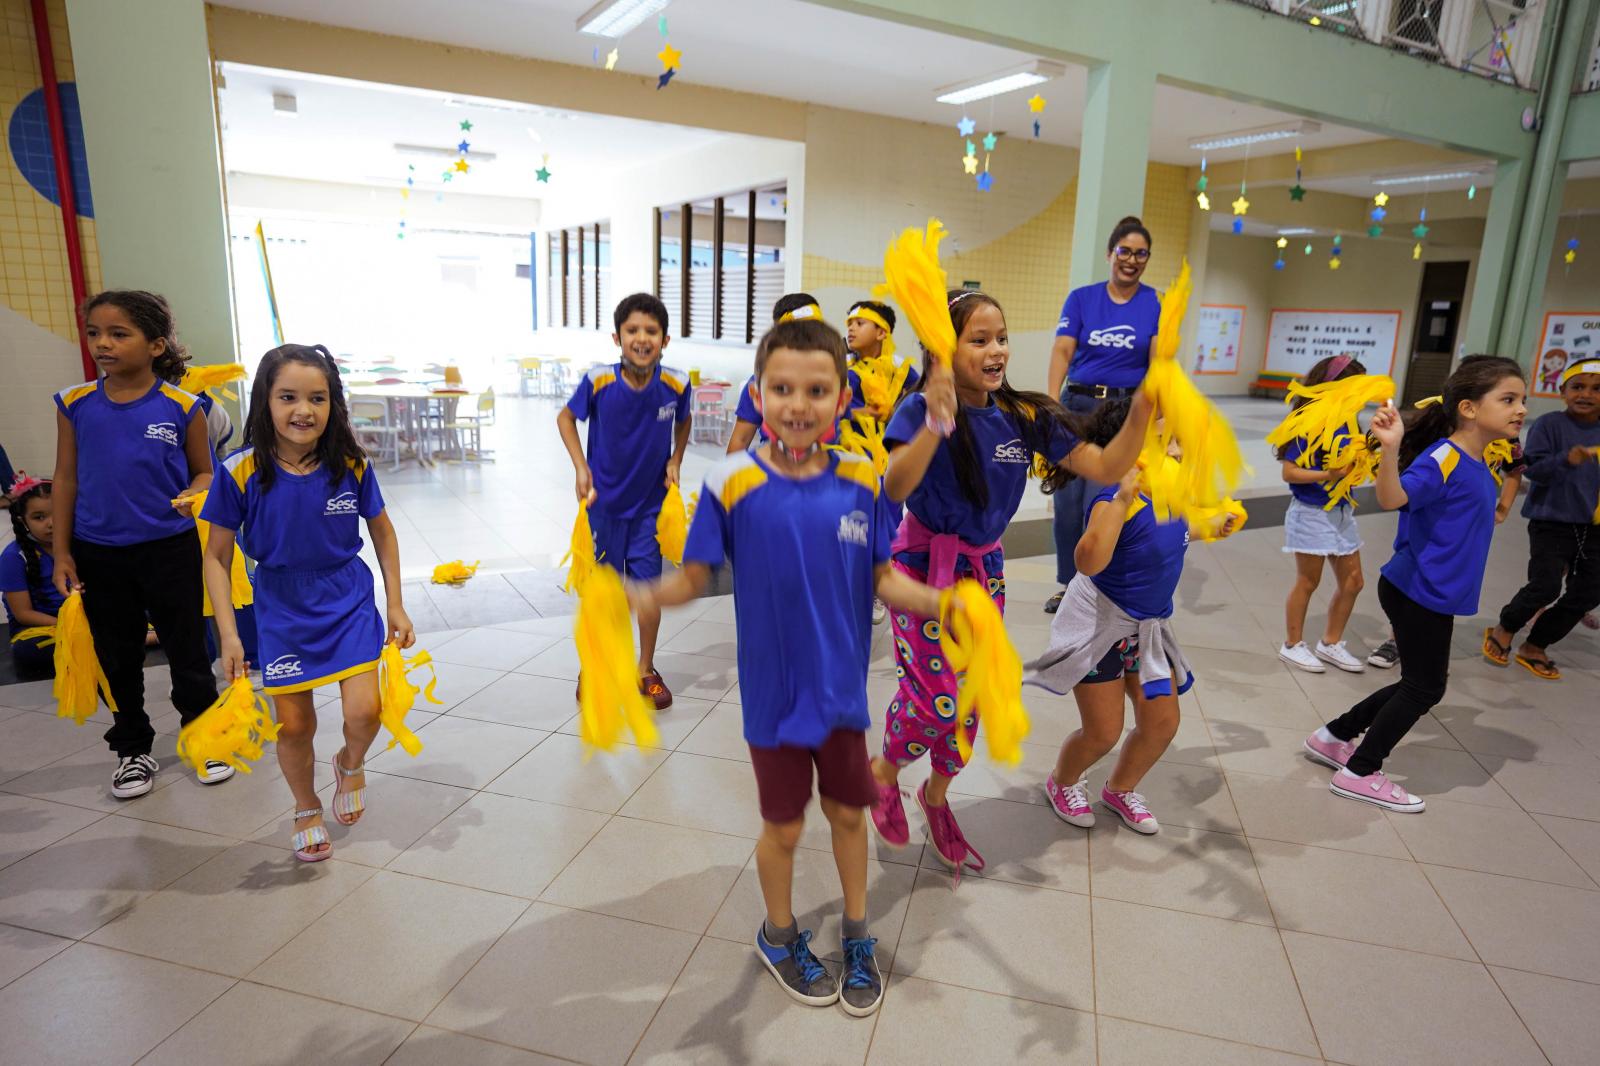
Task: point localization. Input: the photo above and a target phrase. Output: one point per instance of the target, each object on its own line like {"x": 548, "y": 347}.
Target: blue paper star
{"x": 1278, "y": 265}
{"x": 1238, "y": 225}
{"x": 966, "y": 126}
{"x": 985, "y": 181}
{"x": 1378, "y": 214}
{"x": 1572, "y": 244}
{"x": 989, "y": 142}
{"x": 666, "y": 76}
{"x": 463, "y": 147}
{"x": 1035, "y": 128}
{"x": 410, "y": 182}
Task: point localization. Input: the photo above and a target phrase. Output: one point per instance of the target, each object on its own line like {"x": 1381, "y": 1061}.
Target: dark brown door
{"x": 1438, "y": 318}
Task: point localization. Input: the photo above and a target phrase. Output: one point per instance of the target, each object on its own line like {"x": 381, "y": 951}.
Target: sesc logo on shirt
{"x": 1012, "y": 451}
{"x": 283, "y": 668}
{"x": 665, "y": 412}
{"x": 853, "y": 528}
{"x": 1113, "y": 337}
{"x": 166, "y": 432}
{"x": 342, "y": 504}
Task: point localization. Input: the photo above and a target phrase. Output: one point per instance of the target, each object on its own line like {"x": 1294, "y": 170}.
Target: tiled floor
{"x": 506, "y": 901}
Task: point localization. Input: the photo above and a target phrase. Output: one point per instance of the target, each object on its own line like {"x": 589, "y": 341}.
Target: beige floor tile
{"x": 1455, "y": 1014}
{"x": 662, "y": 874}
{"x": 999, "y": 937}
{"x": 1241, "y": 668}
{"x": 460, "y": 751}
{"x": 552, "y": 984}
{"x": 1303, "y": 812}
{"x": 969, "y": 1026}
{"x": 525, "y": 700}
{"x": 231, "y": 913}
{"x": 697, "y": 792}
{"x": 673, "y": 725}
{"x": 1563, "y": 1016}
{"x": 1125, "y": 1043}
{"x": 253, "y": 1025}
{"x": 560, "y": 771}
{"x": 501, "y": 844}
{"x": 28, "y": 824}
{"x": 395, "y": 945}
{"x": 1204, "y": 975}
{"x": 1550, "y": 788}
{"x": 431, "y": 1047}
{"x": 399, "y": 810}
{"x": 1487, "y": 839}
{"x": 714, "y": 640}
{"x": 1256, "y": 705}
{"x": 23, "y": 949}
{"x": 1437, "y": 774}
{"x": 1193, "y": 796}
{"x": 1515, "y": 734}
{"x": 720, "y": 734}
{"x": 1022, "y": 842}
{"x": 29, "y": 741}
{"x": 83, "y": 779}
{"x": 1181, "y": 868}
{"x": 234, "y": 808}
{"x": 83, "y": 881}
{"x": 1358, "y": 897}
{"x": 724, "y": 1008}
{"x": 454, "y": 683}
{"x": 30, "y": 695}
{"x": 1526, "y": 925}
{"x": 1263, "y": 749}
{"x": 493, "y": 649}
{"x": 136, "y": 1004}
{"x": 1578, "y": 838}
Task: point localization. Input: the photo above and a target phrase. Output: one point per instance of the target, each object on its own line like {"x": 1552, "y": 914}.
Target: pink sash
{"x": 943, "y": 549}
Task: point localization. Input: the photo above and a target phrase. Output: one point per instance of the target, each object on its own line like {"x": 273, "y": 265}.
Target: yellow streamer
{"x": 1497, "y": 456}
{"x": 973, "y": 636}
{"x": 232, "y": 730}
{"x": 240, "y": 589}
{"x": 672, "y": 526}
{"x": 1328, "y": 422}
{"x": 212, "y": 379}
{"x": 862, "y": 435}
{"x": 454, "y": 572}
{"x": 581, "y": 552}
{"x": 397, "y": 695}
{"x": 915, "y": 281}
{"x": 78, "y": 673}
{"x": 881, "y": 383}
{"x": 45, "y": 635}
{"x": 609, "y": 695}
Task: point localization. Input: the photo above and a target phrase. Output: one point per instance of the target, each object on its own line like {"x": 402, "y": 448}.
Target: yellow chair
{"x": 528, "y": 374}
{"x": 469, "y": 427}
{"x": 452, "y": 375}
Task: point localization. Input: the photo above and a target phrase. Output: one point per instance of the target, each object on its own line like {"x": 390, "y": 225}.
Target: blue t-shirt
{"x": 1314, "y": 493}
{"x": 1148, "y": 560}
{"x": 630, "y": 436}
{"x": 14, "y": 578}
{"x": 1442, "y": 544}
{"x": 131, "y": 462}
{"x": 303, "y": 522}
{"x": 746, "y": 411}
{"x": 1113, "y": 339}
{"x": 1003, "y": 461}
{"x": 803, "y": 555}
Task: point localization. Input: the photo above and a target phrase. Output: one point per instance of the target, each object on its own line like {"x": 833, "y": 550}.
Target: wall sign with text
{"x": 1298, "y": 339}
{"x": 1567, "y": 337}
{"x": 1218, "y": 335}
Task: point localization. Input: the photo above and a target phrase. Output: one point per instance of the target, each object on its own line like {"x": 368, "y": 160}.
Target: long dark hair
{"x": 1322, "y": 372}
{"x": 19, "y": 526}
{"x": 337, "y": 446}
{"x": 1034, "y": 412}
{"x": 152, "y": 315}
{"x": 1473, "y": 379}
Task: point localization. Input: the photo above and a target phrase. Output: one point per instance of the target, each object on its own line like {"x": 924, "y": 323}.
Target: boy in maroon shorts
{"x": 807, "y": 531}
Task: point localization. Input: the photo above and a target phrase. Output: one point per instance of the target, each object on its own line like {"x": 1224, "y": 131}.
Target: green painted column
{"x": 1112, "y": 160}
{"x": 1520, "y": 335}
{"x": 150, "y": 129}
{"x": 1495, "y": 256}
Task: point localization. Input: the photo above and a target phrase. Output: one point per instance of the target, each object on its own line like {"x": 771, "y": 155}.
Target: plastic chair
{"x": 466, "y": 427}
{"x": 452, "y": 375}
{"x": 528, "y": 371}
{"x": 710, "y": 415}
{"x": 375, "y": 431}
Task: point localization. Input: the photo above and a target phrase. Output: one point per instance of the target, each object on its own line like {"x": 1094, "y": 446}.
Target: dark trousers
{"x": 1067, "y": 523}
{"x": 123, "y": 586}
{"x": 33, "y": 663}
{"x": 1556, "y": 548}
{"x": 1386, "y": 716}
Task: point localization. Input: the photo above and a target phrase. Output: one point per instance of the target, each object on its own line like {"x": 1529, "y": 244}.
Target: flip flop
{"x": 1497, "y": 653}
{"x": 1541, "y": 668}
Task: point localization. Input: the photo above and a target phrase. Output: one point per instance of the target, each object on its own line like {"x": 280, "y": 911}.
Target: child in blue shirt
{"x": 638, "y": 415}
{"x": 294, "y": 496}
{"x": 870, "y": 332}
{"x": 805, "y": 529}
{"x": 130, "y": 450}
{"x": 27, "y": 575}
{"x": 747, "y": 415}
{"x": 1446, "y": 497}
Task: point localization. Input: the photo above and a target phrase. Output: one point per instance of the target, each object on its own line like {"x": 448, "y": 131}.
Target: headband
{"x": 962, "y": 295}
{"x": 1585, "y": 366}
{"x": 1336, "y": 367}
{"x": 805, "y": 311}
{"x": 867, "y": 314}
{"x": 24, "y": 484}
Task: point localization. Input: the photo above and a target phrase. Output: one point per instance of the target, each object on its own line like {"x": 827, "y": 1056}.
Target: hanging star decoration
{"x": 972, "y": 149}
{"x": 1297, "y": 192}
{"x": 661, "y": 25}
{"x": 666, "y": 76}
{"x": 985, "y": 181}
{"x": 462, "y": 166}
{"x": 970, "y": 163}
{"x": 1200, "y": 196}
{"x": 466, "y": 125}
{"x": 1203, "y": 200}
{"x": 1419, "y": 231}
{"x": 447, "y": 175}
{"x": 1238, "y": 225}
{"x": 1037, "y": 103}
{"x": 611, "y": 59}
{"x": 1374, "y": 230}
{"x": 989, "y": 140}
{"x": 1416, "y": 250}
{"x": 1572, "y": 251}
{"x": 1336, "y": 252}
{"x": 669, "y": 56}
{"x": 966, "y": 126}
{"x": 1283, "y": 242}
{"x": 1241, "y": 206}
{"x": 1308, "y": 248}
{"x": 1277, "y": 264}
{"x": 543, "y": 173}
{"x": 1035, "y": 129}
{"x": 464, "y": 147}
{"x": 1472, "y": 192}
{"x": 1382, "y": 199}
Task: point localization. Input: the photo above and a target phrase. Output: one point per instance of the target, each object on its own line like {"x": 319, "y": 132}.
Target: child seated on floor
{"x": 27, "y": 577}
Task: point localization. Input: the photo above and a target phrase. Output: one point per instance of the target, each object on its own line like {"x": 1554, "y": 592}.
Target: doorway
{"x": 1438, "y": 318}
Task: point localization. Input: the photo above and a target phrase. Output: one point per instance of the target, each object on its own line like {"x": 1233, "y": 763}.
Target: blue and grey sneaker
{"x": 797, "y": 970}
{"x": 862, "y": 989}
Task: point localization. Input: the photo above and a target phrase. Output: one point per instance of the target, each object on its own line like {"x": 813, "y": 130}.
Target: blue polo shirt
{"x": 131, "y": 462}
{"x": 1148, "y": 560}
{"x": 803, "y": 555}
{"x": 630, "y": 436}
{"x": 1314, "y": 493}
{"x": 303, "y": 522}
{"x": 1113, "y": 339}
{"x": 14, "y": 578}
{"x": 1442, "y": 545}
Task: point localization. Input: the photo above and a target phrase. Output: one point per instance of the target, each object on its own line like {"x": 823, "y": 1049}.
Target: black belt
{"x": 1100, "y": 392}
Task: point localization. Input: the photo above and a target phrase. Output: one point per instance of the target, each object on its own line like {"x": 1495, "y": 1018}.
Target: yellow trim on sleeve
{"x": 859, "y": 471}
{"x": 675, "y": 381}
{"x": 184, "y": 399}
{"x": 740, "y": 484}
{"x": 318, "y": 682}
{"x": 72, "y": 396}
{"x": 1447, "y": 458}
{"x": 240, "y": 467}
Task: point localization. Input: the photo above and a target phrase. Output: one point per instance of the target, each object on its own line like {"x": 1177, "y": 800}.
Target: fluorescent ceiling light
{"x": 1261, "y": 134}
{"x": 431, "y": 152}
{"x": 1034, "y": 72}
{"x": 1297, "y": 231}
{"x": 613, "y": 18}
{"x": 1413, "y": 179}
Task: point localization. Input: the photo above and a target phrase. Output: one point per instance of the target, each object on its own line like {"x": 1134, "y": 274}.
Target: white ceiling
{"x": 799, "y": 51}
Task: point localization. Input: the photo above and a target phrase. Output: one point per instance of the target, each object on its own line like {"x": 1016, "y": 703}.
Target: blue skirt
{"x": 316, "y": 626}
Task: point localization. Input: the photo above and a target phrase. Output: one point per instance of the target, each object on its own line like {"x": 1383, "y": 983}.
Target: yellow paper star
{"x": 669, "y": 57}
{"x": 1283, "y": 242}
{"x": 1382, "y": 199}
{"x": 611, "y": 59}
{"x": 1036, "y": 103}
{"x": 1571, "y": 257}
{"x": 1241, "y": 206}
{"x": 970, "y": 163}
{"x": 1204, "y": 201}
{"x": 1333, "y": 264}
{"x": 405, "y": 194}
{"x": 1416, "y": 250}
{"x": 462, "y": 166}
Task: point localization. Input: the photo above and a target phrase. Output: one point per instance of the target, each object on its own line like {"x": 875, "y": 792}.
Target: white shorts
{"x": 1309, "y": 530}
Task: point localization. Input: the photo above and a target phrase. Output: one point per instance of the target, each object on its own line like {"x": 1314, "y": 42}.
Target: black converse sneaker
{"x": 135, "y": 775}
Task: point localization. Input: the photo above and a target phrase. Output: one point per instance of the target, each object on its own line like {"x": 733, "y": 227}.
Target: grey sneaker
{"x": 1385, "y": 656}
{"x": 797, "y": 971}
{"x": 862, "y": 981}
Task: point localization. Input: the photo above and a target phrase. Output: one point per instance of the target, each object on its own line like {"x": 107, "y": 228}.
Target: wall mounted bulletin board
{"x": 1219, "y": 334}
{"x": 1567, "y": 337}
{"x": 1298, "y": 338}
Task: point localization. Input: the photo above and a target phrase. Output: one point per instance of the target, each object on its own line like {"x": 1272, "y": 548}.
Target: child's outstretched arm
{"x": 743, "y": 433}
{"x": 1100, "y": 533}
{"x": 903, "y": 593}
{"x": 217, "y": 566}
{"x": 1295, "y": 474}
{"x": 567, "y": 423}
{"x": 1109, "y": 463}
{"x": 387, "y": 545}
{"x": 1390, "y": 431}
{"x": 197, "y": 449}
{"x": 687, "y": 583}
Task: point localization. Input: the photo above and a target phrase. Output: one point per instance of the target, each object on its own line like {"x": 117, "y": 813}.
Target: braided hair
{"x": 19, "y": 526}
{"x": 152, "y": 315}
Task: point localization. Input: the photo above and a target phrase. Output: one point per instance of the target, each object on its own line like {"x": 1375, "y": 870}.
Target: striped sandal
{"x": 347, "y": 805}
{"x": 306, "y": 839}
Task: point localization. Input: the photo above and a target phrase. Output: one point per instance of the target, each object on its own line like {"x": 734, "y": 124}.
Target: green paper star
{"x": 1297, "y": 192}
{"x": 449, "y": 174}
{"x": 1374, "y": 230}
{"x": 972, "y": 149}
{"x": 466, "y": 125}
{"x": 1419, "y": 231}
{"x": 1200, "y": 186}
{"x": 543, "y": 174}
{"x": 989, "y": 142}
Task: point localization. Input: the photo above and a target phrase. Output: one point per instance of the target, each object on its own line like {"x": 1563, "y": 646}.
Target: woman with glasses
{"x": 1102, "y": 351}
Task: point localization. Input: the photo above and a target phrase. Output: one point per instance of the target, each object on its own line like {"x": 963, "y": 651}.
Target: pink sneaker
{"x": 1071, "y": 804}
{"x": 1129, "y": 806}
{"x": 1375, "y": 788}
{"x": 889, "y": 816}
{"x": 1334, "y": 755}
{"x": 948, "y": 843}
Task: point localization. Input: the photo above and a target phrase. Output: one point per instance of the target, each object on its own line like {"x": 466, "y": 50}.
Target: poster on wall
{"x": 1297, "y": 339}
{"x": 1567, "y": 337}
{"x": 1217, "y": 339}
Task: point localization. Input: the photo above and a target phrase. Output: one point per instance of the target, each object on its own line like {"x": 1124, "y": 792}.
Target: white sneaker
{"x": 1340, "y": 656}
{"x": 879, "y": 612}
{"x": 214, "y": 772}
{"x": 1300, "y": 655}
{"x": 134, "y": 776}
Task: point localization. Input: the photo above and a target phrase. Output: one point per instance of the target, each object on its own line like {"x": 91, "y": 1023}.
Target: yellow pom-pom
{"x": 1174, "y": 305}
{"x": 581, "y": 552}
{"x": 973, "y": 636}
{"x": 609, "y": 696}
{"x": 232, "y": 730}
{"x": 914, "y": 280}
{"x": 881, "y": 384}
{"x": 672, "y": 526}
{"x": 198, "y": 379}
{"x": 45, "y": 635}
{"x": 240, "y": 589}
{"x": 863, "y": 435}
{"x": 397, "y": 695}
{"x": 1329, "y": 413}
{"x": 1211, "y": 523}
{"x": 454, "y": 572}
{"x": 78, "y": 674}
{"x": 1361, "y": 457}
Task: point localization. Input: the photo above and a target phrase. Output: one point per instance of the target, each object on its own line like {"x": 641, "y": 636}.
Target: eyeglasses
{"x": 1138, "y": 255}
